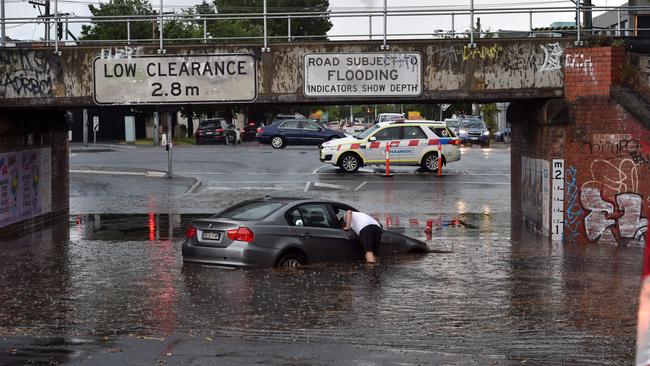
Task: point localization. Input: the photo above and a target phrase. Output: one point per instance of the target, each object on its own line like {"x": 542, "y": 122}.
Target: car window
{"x": 310, "y": 215}
{"x": 208, "y": 125}
{"x": 452, "y": 122}
{"x": 368, "y": 132}
{"x": 290, "y": 124}
{"x": 414, "y": 132}
{"x": 389, "y": 133}
{"x": 250, "y": 210}
{"x": 311, "y": 126}
{"x": 442, "y": 132}
{"x": 472, "y": 124}
{"x": 339, "y": 211}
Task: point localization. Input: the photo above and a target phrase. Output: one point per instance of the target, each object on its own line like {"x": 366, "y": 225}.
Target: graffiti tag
{"x": 483, "y": 52}
{"x": 582, "y": 62}
{"x": 552, "y": 57}
{"x": 620, "y": 222}
{"x": 574, "y": 210}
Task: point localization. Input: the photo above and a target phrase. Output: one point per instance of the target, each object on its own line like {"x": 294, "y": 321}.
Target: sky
{"x": 353, "y": 27}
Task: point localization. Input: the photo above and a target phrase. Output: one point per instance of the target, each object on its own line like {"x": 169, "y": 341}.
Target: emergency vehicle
{"x": 410, "y": 142}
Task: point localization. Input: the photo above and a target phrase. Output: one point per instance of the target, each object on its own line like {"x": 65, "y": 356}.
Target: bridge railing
{"x": 368, "y": 24}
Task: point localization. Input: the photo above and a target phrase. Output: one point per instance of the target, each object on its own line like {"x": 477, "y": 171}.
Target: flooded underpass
{"x": 486, "y": 295}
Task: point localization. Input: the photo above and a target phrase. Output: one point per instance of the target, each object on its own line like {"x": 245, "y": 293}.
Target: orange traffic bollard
{"x": 387, "y": 174}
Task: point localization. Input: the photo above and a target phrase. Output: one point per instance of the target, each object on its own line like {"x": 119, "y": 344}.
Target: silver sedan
{"x": 283, "y": 232}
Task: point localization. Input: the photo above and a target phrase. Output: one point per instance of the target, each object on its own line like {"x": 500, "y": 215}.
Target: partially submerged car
{"x": 283, "y": 232}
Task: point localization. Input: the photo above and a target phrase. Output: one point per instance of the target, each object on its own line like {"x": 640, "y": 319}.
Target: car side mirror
{"x": 372, "y": 138}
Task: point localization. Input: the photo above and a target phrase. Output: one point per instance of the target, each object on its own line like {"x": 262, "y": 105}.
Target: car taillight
{"x": 219, "y": 130}
{"x": 241, "y": 234}
{"x": 251, "y": 123}
{"x": 455, "y": 142}
{"x": 190, "y": 231}
{"x": 260, "y": 130}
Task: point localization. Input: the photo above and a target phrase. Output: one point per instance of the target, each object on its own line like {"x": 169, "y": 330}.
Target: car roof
{"x": 413, "y": 122}
{"x": 295, "y": 200}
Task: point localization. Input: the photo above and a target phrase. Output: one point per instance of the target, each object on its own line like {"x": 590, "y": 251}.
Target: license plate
{"x": 474, "y": 138}
{"x": 211, "y": 235}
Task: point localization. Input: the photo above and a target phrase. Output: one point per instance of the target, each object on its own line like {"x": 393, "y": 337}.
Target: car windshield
{"x": 472, "y": 124}
{"x": 367, "y": 132}
{"x": 452, "y": 122}
{"x": 249, "y": 211}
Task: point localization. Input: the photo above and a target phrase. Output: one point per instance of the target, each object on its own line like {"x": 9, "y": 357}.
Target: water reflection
{"x": 523, "y": 300}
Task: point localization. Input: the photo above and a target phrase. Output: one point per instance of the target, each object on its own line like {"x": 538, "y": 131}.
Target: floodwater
{"x": 486, "y": 291}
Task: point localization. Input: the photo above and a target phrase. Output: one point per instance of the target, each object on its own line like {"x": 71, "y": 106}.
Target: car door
{"x": 319, "y": 234}
{"x": 375, "y": 151}
{"x": 312, "y": 134}
{"x": 415, "y": 141}
{"x": 290, "y": 130}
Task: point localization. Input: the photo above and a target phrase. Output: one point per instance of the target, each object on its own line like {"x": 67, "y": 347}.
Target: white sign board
{"x": 377, "y": 74}
{"x": 95, "y": 123}
{"x": 169, "y": 79}
{"x": 557, "y": 194}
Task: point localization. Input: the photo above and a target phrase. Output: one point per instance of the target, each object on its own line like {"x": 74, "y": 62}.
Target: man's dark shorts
{"x": 370, "y": 236}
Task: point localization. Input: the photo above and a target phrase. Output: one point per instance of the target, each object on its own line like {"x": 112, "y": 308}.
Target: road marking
{"x": 307, "y": 186}
{"x": 115, "y": 172}
{"x": 245, "y": 188}
{"x": 319, "y": 168}
{"x": 360, "y": 185}
{"x": 329, "y": 185}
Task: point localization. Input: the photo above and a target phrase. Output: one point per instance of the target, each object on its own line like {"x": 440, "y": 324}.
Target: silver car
{"x": 282, "y": 232}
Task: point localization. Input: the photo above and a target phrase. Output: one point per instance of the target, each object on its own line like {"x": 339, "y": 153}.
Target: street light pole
{"x": 2, "y": 20}
{"x": 160, "y": 49}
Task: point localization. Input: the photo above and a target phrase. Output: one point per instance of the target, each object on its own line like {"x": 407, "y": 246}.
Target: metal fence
{"x": 364, "y": 20}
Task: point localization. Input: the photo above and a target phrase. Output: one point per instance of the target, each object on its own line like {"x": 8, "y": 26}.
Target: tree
{"x": 253, "y": 28}
{"x": 488, "y": 111}
{"x": 117, "y": 30}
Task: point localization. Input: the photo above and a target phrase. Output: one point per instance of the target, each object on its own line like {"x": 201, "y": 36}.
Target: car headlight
{"x": 463, "y": 132}
{"x": 486, "y": 133}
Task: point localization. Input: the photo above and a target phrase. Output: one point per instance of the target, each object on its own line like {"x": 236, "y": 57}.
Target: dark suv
{"x": 470, "y": 129}
{"x": 216, "y": 130}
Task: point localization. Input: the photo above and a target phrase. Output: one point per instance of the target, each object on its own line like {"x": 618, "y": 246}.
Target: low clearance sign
{"x": 173, "y": 79}
{"x": 363, "y": 74}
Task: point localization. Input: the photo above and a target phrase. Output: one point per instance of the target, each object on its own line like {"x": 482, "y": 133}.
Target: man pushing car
{"x": 368, "y": 230}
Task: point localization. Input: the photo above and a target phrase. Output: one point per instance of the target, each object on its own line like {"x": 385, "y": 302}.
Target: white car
{"x": 411, "y": 142}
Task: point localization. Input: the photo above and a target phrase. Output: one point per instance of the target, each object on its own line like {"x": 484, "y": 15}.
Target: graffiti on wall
{"x": 574, "y": 212}
{"x": 482, "y": 52}
{"x": 120, "y": 52}
{"x": 27, "y": 74}
{"x": 580, "y": 62}
{"x": 613, "y": 203}
{"x": 552, "y": 57}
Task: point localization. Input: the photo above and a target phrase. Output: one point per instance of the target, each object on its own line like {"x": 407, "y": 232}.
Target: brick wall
{"x": 607, "y": 164}
{"x": 23, "y": 131}
{"x": 607, "y": 173}
{"x": 591, "y": 71}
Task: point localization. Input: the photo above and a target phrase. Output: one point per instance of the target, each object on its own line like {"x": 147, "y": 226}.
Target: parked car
{"x": 410, "y": 143}
{"x": 283, "y": 232}
{"x": 250, "y": 130}
{"x": 217, "y": 130}
{"x": 282, "y": 117}
{"x": 296, "y": 132}
{"x": 470, "y": 129}
{"x": 503, "y": 135}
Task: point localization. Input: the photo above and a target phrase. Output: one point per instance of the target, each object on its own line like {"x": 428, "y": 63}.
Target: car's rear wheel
{"x": 349, "y": 163}
{"x": 292, "y": 260}
{"x": 278, "y": 142}
{"x": 430, "y": 162}
{"x": 507, "y": 139}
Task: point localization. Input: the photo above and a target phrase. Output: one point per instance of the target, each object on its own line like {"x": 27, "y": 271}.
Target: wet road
{"x": 110, "y": 284}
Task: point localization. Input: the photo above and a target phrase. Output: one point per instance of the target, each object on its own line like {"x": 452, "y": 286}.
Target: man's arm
{"x": 348, "y": 220}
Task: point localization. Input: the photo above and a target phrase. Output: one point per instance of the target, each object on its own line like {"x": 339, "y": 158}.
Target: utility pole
{"x": 45, "y": 15}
